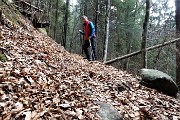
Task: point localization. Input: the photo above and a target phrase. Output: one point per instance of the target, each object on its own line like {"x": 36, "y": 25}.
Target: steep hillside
{"x": 41, "y": 80}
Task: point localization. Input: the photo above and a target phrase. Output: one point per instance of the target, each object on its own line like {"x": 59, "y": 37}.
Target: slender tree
{"x": 106, "y": 30}
{"x": 74, "y": 27}
{"x": 56, "y": 18}
{"x": 144, "y": 35}
{"x": 0, "y": 16}
{"x": 177, "y": 17}
{"x": 131, "y": 5}
{"x": 96, "y": 14}
{"x": 66, "y": 23}
{"x": 48, "y": 14}
{"x": 85, "y": 7}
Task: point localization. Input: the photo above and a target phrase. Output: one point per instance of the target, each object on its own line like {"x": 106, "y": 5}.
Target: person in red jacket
{"x": 90, "y": 38}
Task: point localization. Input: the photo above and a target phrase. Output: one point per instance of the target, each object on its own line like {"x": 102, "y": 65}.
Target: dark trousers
{"x": 90, "y": 51}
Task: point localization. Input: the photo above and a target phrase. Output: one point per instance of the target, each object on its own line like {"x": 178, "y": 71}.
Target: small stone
{"x": 88, "y": 92}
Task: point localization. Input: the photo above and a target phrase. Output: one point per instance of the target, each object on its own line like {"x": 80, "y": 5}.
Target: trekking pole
{"x": 81, "y": 43}
{"x": 91, "y": 50}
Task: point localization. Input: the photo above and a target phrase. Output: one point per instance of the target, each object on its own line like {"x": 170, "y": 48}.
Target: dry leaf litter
{"x": 41, "y": 80}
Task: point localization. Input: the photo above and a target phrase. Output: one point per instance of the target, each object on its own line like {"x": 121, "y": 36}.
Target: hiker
{"x": 90, "y": 38}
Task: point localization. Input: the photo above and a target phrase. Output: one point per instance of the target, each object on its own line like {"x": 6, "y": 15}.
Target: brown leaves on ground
{"x": 40, "y": 80}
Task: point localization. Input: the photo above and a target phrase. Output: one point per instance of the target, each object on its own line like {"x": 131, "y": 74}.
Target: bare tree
{"x": 66, "y": 23}
{"x": 85, "y": 7}
{"x": 74, "y": 27}
{"x": 56, "y": 18}
{"x": 0, "y": 16}
{"x": 177, "y": 17}
{"x": 48, "y": 14}
{"x": 96, "y": 14}
{"x": 106, "y": 30}
{"x": 144, "y": 35}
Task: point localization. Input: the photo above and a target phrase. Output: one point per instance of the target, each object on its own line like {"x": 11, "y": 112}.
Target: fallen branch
{"x": 138, "y": 52}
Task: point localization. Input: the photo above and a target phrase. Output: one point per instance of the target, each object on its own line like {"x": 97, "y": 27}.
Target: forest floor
{"x": 41, "y": 80}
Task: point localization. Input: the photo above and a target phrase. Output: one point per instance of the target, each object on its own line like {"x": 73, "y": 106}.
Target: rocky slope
{"x": 41, "y": 80}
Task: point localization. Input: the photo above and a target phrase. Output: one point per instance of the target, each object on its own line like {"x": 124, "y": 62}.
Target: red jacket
{"x": 89, "y": 30}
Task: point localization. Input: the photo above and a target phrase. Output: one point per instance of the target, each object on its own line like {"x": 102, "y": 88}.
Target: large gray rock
{"x": 159, "y": 81}
{"x": 108, "y": 112}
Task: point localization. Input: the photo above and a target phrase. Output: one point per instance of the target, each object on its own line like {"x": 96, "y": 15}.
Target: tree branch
{"x": 138, "y": 52}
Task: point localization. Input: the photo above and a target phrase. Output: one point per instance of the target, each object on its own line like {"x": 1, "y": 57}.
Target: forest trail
{"x": 41, "y": 80}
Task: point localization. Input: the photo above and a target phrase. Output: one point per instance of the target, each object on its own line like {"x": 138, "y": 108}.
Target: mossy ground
{"x": 2, "y": 57}
{"x": 11, "y": 13}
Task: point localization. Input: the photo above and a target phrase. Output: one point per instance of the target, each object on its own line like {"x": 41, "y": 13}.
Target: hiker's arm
{"x": 92, "y": 30}
{"x": 81, "y": 32}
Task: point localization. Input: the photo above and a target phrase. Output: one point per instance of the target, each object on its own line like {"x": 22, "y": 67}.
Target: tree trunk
{"x": 177, "y": 18}
{"x": 49, "y": 17}
{"x": 127, "y": 39}
{"x": 129, "y": 36}
{"x": 66, "y": 23}
{"x": 96, "y": 15}
{"x": 85, "y": 7}
{"x": 75, "y": 23}
{"x": 56, "y": 19}
{"x": 106, "y": 30}
{"x": 0, "y": 16}
{"x": 144, "y": 35}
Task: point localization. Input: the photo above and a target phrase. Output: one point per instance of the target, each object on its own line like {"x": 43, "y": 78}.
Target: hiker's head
{"x": 84, "y": 18}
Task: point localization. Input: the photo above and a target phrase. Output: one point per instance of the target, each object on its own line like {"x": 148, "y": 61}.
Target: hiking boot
{"x": 89, "y": 59}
